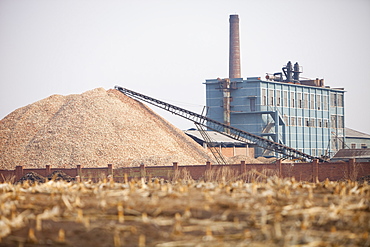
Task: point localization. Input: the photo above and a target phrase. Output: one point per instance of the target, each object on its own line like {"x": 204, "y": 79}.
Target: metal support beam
{"x": 215, "y": 150}
{"x": 232, "y": 132}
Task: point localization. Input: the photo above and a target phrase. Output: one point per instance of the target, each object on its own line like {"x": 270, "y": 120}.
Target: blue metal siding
{"x": 295, "y": 115}
{"x": 214, "y": 100}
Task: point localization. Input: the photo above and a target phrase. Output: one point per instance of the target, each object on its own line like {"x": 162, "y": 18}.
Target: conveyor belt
{"x": 222, "y": 128}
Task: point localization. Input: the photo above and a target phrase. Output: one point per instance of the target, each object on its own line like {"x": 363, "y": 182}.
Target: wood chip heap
{"x": 92, "y": 129}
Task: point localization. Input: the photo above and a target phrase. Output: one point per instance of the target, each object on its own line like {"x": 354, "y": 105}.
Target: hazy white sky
{"x": 166, "y": 49}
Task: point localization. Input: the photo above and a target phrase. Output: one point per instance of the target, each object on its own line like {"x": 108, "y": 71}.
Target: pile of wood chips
{"x": 92, "y": 129}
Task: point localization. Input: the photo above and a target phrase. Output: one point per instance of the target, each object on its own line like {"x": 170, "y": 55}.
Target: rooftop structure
{"x": 217, "y": 138}
{"x": 361, "y": 155}
{"x": 356, "y": 139}
{"x": 227, "y": 146}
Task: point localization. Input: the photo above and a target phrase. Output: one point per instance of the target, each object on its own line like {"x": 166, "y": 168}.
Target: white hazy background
{"x": 166, "y": 49}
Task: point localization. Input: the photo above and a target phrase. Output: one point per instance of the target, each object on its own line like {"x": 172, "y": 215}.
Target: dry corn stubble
{"x": 92, "y": 129}
{"x": 275, "y": 212}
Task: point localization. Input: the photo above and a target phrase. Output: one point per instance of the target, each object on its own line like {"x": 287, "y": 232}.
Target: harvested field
{"x": 92, "y": 129}
{"x": 273, "y": 212}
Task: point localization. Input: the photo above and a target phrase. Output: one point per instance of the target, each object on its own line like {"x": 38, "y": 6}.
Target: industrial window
{"x": 278, "y": 98}
{"x": 333, "y": 99}
{"x": 325, "y": 102}
{"x": 299, "y": 100}
{"x": 292, "y": 121}
{"x": 299, "y": 121}
{"x": 353, "y": 145}
{"x": 271, "y": 97}
{"x": 285, "y": 99}
{"x": 305, "y": 100}
{"x": 319, "y": 123}
{"x": 286, "y": 120}
{"x": 318, "y": 101}
{"x": 264, "y": 98}
{"x": 340, "y": 120}
{"x": 326, "y": 123}
{"x": 340, "y": 100}
{"x": 312, "y": 101}
{"x": 333, "y": 120}
{"x": 306, "y": 122}
{"x": 312, "y": 122}
{"x": 292, "y": 99}
{"x": 333, "y": 143}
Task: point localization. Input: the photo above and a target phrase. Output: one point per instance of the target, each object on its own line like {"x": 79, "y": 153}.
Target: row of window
{"x": 315, "y": 152}
{"x": 336, "y": 122}
{"x": 335, "y": 145}
{"x": 300, "y": 100}
{"x": 354, "y": 146}
{"x": 336, "y": 99}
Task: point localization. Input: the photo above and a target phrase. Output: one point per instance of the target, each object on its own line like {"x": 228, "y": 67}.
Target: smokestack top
{"x": 234, "y": 18}
{"x": 234, "y": 52}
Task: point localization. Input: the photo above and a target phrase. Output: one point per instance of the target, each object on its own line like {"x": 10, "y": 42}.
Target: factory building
{"x": 302, "y": 114}
{"x": 356, "y": 139}
{"x": 227, "y": 146}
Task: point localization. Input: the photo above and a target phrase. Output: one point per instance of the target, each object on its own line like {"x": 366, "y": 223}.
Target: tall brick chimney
{"x": 234, "y": 55}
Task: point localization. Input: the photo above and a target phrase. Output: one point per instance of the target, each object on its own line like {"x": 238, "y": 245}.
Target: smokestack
{"x": 234, "y": 55}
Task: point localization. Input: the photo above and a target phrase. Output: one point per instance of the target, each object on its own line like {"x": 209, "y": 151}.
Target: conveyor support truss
{"x": 222, "y": 128}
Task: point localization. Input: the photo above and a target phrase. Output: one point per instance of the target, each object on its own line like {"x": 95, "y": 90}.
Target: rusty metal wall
{"x": 311, "y": 171}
